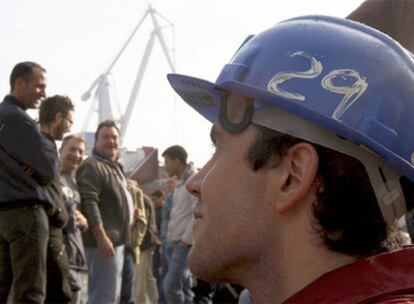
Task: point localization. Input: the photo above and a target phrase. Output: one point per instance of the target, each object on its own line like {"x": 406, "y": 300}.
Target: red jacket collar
{"x": 366, "y": 280}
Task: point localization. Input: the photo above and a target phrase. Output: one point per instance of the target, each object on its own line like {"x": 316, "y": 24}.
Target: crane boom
{"x": 102, "y": 85}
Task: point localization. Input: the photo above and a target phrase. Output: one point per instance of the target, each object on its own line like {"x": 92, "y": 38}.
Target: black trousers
{"x": 58, "y": 289}
{"x": 24, "y": 234}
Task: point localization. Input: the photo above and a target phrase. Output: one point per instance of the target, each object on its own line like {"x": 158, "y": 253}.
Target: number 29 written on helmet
{"x": 351, "y": 93}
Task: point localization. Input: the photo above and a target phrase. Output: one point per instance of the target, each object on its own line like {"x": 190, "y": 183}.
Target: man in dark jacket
{"x": 107, "y": 205}
{"x": 27, "y": 163}
{"x": 55, "y": 116}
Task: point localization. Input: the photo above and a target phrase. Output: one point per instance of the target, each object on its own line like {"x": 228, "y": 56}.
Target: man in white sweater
{"x": 177, "y": 283}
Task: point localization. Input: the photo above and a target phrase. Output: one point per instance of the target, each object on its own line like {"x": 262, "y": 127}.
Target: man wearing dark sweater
{"x": 108, "y": 207}
{"x": 28, "y": 162}
{"x": 55, "y": 117}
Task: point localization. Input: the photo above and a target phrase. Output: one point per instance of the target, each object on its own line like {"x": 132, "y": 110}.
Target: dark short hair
{"x": 109, "y": 123}
{"x": 176, "y": 152}
{"x": 157, "y": 193}
{"x": 52, "y": 106}
{"x": 23, "y": 70}
{"x": 77, "y": 137}
{"x": 347, "y": 216}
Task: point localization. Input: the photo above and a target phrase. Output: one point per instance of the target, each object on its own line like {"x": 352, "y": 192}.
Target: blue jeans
{"x": 81, "y": 277}
{"x": 159, "y": 263}
{"x": 177, "y": 282}
{"x": 105, "y": 275}
{"x": 127, "y": 287}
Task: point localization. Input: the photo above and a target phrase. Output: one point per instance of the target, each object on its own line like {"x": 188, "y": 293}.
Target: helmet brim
{"x": 197, "y": 93}
{"x": 203, "y": 96}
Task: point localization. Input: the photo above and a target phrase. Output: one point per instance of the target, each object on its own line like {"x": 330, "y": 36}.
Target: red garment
{"x": 383, "y": 278}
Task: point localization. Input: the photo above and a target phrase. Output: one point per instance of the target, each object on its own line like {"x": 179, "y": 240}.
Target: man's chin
{"x": 73, "y": 166}
{"x": 35, "y": 104}
{"x": 111, "y": 154}
{"x": 202, "y": 267}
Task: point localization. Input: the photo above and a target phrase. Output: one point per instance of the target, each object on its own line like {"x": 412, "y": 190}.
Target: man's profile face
{"x": 170, "y": 165}
{"x": 232, "y": 217}
{"x": 71, "y": 155}
{"x": 63, "y": 126}
{"x": 107, "y": 142}
{"x": 33, "y": 90}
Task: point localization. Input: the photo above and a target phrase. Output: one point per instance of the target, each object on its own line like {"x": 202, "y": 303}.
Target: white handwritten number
{"x": 351, "y": 94}
{"x": 281, "y": 77}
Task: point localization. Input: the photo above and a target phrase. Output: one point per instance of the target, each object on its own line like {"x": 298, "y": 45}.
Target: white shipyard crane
{"x": 102, "y": 88}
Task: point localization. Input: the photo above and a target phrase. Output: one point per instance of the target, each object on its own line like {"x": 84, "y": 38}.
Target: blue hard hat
{"x": 335, "y": 73}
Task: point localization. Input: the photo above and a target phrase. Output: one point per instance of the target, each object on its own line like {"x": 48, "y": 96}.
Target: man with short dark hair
{"x": 314, "y": 161}
{"x": 55, "y": 118}
{"x": 177, "y": 281}
{"x": 108, "y": 207}
{"x": 28, "y": 162}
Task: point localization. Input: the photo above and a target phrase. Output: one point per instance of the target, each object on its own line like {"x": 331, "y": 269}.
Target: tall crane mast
{"x": 103, "y": 100}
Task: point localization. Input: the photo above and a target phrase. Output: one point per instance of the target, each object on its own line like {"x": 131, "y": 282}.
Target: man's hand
{"x": 29, "y": 171}
{"x": 185, "y": 244}
{"x": 105, "y": 246}
{"x": 136, "y": 214}
{"x": 80, "y": 220}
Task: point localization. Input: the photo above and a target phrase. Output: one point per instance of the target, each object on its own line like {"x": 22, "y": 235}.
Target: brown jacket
{"x": 139, "y": 226}
{"x": 103, "y": 199}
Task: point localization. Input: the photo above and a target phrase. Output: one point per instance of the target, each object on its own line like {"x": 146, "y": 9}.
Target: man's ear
{"x": 18, "y": 84}
{"x": 300, "y": 166}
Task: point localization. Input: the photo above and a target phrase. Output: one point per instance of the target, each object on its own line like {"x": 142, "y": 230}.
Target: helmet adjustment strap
{"x": 224, "y": 118}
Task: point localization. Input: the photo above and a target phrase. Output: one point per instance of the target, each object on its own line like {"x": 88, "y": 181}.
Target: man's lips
{"x": 74, "y": 160}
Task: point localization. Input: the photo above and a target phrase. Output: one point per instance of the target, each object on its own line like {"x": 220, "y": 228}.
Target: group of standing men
{"x": 57, "y": 220}
{"x": 313, "y": 164}
{"x": 35, "y": 200}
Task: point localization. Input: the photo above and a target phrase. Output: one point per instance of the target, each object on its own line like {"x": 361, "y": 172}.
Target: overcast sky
{"x": 76, "y": 40}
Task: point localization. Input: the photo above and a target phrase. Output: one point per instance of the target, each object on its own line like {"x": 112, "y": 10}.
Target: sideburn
{"x": 59, "y": 130}
{"x": 268, "y": 148}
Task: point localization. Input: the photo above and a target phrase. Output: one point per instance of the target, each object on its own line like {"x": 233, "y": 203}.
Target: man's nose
{"x": 194, "y": 184}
